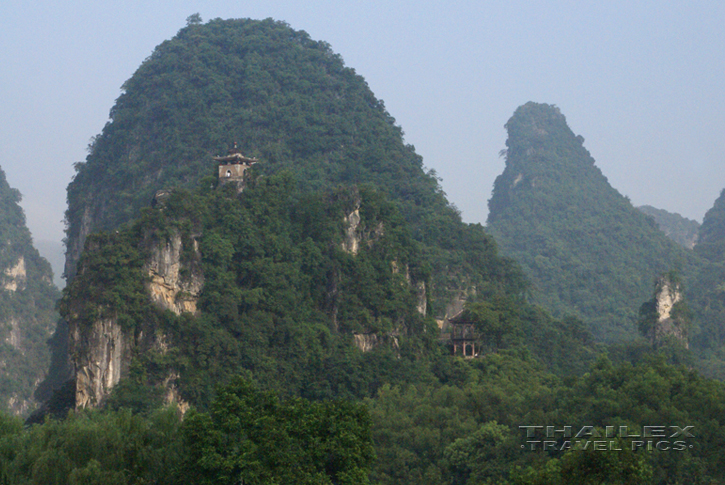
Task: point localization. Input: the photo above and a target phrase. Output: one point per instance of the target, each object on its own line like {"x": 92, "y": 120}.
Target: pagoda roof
{"x": 236, "y": 158}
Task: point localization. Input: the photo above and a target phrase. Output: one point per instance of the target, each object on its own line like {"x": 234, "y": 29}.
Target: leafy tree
{"x": 251, "y": 436}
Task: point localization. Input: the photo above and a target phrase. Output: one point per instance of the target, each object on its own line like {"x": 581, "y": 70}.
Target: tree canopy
{"x": 588, "y": 251}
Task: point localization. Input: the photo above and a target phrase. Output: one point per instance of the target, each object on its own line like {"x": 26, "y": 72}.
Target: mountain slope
{"x": 707, "y": 291}
{"x": 284, "y": 97}
{"x": 289, "y": 101}
{"x": 711, "y": 236}
{"x": 587, "y": 249}
{"x": 27, "y": 307}
{"x": 680, "y": 229}
{"x": 258, "y": 280}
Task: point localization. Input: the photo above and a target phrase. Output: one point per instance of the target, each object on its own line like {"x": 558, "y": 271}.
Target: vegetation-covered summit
{"x": 588, "y": 251}
{"x": 678, "y": 228}
{"x": 284, "y": 301}
{"x": 283, "y": 97}
{"x": 708, "y": 290}
{"x": 27, "y": 307}
{"x": 711, "y": 237}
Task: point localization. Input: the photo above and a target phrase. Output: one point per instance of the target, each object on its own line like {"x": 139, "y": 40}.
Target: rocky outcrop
{"x": 77, "y": 242}
{"x": 665, "y": 317}
{"x": 680, "y": 229}
{"x": 172, "y": 395}
{"x": 369, "y": 341}
{"x": 454, "y": 308}
{"x": 669, "y": 323}
{"x": 15, "y": 276}
{"x": 14, "y": 336}
{"x": 351, "y": 243}
{"x": 101, "y": 355}
{"x": 357, "y": 233}
{"x": 422, "y": 305}
{"x": 27, "y": 300}
{"x": 420, "y": 288}
{"x": 101, "y": 352}
{"x": 174, "y": 285}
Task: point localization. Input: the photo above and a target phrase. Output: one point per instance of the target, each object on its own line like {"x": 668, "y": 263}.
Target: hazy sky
{"x": 642, "y": 81}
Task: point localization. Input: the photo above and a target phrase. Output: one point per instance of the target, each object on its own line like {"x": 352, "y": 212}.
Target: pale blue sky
{"x": 642, "y": 81}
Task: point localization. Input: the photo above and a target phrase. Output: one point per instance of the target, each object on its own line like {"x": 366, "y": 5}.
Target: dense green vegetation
{"x": 27, "y": 307}
{"x": 287, "y": 100}
{"x": 468, "y": 432}
{"x": 707, "y": 291}
{"x": 711, "y": 237}
{"x": 680, "y": 229}
{"x": 282, "y": 298}
{"x": 271, "y": 363}
{"x": 588, "y": 251}
{"x": 248, "y": 436}
{"x": 460, "y": 426}
{"x": 269, "y": 311}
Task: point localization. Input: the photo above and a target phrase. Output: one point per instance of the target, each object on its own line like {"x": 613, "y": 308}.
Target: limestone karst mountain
{"x": 678, "y": 228}
{"x": 281, "y": 96}
{"x": 320, "y": 277}
{"x": 289, "y": 103}
{"x": 588, "y": 251}
{"x": 707, "y": 290}
{"x": 711, "y": 236}
{"x": 27, "y": 307}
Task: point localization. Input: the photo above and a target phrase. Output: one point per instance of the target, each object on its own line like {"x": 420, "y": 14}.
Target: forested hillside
{"x": 711, "y": 236}
{"x": 680, "y": 229}
{"x": 283, "y": 302}
{"x": 285, "y": 99}
{"x": 27, "y": 307}
{"x": 588, "y": 251}
{"x": 707, "y": 291}
{"x": 289, "y": 332}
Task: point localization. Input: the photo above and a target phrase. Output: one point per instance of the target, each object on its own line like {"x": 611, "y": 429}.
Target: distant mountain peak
{"x": 678, "y": 228}
{"x": 588, "y": 251}
{"x": 711, "y": 237}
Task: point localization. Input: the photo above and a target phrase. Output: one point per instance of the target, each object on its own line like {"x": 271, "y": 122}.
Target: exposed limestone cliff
{"x": 420, "y": 288}
{"x": 13, "y": 337}
{"x": 680, "y": 229}
{"x": 665, "y": 317}
{"x": 172, "y": 395}
{"x": 170, "y": 287}
{"x": 16, "y": 276}
{"x": 668, "y": 295}
{"x": 101, "y": 352}
{"x": 454, "y": 308}
{"x": 422, "y": 298}
{"x": 369, "y": 341}
{"x": 357, "y": 233}
{"x": 101, "y": 355}
{"x": 351, "y": 243}
{"x": 27, "y": 307}
{"x": 75, "y": 244}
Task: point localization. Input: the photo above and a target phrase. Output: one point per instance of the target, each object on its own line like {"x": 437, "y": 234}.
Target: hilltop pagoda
{"x": 233, "y": 165}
